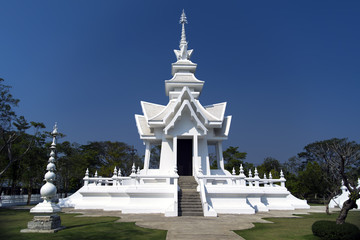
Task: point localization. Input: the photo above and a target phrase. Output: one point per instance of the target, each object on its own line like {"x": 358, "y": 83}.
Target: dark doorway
{"x": 184, "y": 157}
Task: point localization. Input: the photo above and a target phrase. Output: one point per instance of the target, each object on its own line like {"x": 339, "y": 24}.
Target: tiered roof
{"x": 183, "y": 90}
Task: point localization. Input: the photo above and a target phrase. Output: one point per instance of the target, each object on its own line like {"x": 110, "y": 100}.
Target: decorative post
{"x": 133, "y": 174}
{"x": 96, "y": 180}
{"x": 250, "y": 178}
{"x": 119, "y": 177}
{"x": 45, "y": 219}
{"x": 233, "y": 180}
{"x": 138, "y": 175}
{"x": 86, "y": 178}
{"x": 265, "y": 180}
{"x": 242, "y": 176}
{"x": 283, "y": 180}
{"x": 114, "y": 177}
{"x": 270, "y": 180}
{"x": 256, "y": 178}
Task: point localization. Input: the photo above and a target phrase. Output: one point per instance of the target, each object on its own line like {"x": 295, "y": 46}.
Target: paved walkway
{"x": 196, "y": 227}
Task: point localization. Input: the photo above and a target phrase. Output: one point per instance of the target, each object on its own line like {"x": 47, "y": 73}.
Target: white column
{"x": 195, "y": 154}
{"x": 147, "y": 156}
{"x": 175, "y": 150}
{"x": 220, "y": 158}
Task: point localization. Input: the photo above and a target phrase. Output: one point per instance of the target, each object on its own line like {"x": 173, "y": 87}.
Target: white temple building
{"x": 338, "y": 201}
{"x": 184, "y": 184}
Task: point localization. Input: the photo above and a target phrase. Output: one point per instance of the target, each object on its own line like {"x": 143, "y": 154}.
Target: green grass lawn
{"x": 12, "y": 221}
{"x": 292, "y": 228}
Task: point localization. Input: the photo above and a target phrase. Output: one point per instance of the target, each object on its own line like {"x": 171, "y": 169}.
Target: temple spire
{"x": 183, "y": 53}
{"x": 183, "y": 20}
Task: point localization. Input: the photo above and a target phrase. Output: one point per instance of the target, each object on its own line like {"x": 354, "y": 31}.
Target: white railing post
{"x": 242, "y": 176}
{"x": 250, "y": 178}
{"x": 95, "y": 176}
{"x": 114, "y": 177}
{"x": 270, "y": 180}
{"x": 86, "y": 178}
{"x": 233, "y": 179}
{"x": 256, "y": 178}
{"x": 283, "y": 180}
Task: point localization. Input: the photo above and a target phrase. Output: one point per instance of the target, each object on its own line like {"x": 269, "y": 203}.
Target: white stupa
{"x": 185, "y": 129}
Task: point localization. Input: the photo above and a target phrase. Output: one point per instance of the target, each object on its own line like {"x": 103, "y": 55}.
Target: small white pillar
{"x": 256, "y": 178}
{"x": 220, "y": 158}
{"x": 147, "y": 156}
{"x": 86, "y": 178}
{"x": 175, "y": 150}
{"x": 283, "y": 180}
{"x": 195, "y": 154}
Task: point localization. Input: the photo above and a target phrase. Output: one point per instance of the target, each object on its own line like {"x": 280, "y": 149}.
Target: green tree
{"x": 32, "y": 166}
{"x": 233, "y": 158}
{"x": 12, "y": 130}
{"x": 104, "y": 156}
{"x": 155, "y": 157}
{"x": 70, "y": 167}
{"x": 312, "y": 181}
{"x": 338, "y": 159}
{"x": 270, "y": 165}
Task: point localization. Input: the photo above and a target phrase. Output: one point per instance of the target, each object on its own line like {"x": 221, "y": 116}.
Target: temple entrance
{"x": 184, "y": 156}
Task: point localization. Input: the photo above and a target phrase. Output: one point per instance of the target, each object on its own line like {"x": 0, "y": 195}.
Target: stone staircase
{"x": 189, "y": 198}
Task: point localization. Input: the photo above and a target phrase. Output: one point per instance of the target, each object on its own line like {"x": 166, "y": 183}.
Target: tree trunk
{"x": 29, "y": 192}
{"x": 348, "y": 205}
{"x": 29, "y": 196}
{"x": 327, "y": 203}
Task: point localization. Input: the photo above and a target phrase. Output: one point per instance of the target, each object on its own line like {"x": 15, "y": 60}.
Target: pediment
{"x": 186, "y": 106}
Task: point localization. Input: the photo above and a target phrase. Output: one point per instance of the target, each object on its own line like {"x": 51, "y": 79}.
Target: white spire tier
{"x": 48, "y": 190}
{"x": 183, "y": 69}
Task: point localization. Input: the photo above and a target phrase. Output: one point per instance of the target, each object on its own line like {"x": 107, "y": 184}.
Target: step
{"x": 192, "y": 205}
{"x": 189, "y": 203}
{"x": 192, "y": 214}
{"x": 191, "y": 209}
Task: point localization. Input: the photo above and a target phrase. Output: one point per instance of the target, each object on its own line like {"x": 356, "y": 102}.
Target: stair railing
{"x": 207, "y": 209}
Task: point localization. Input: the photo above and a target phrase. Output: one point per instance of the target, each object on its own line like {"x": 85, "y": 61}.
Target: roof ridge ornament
{"x": 183, "y": 20}
{"x": 183, "y": 53}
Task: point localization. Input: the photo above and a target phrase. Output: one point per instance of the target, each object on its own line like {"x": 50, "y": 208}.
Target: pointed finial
{"x": 115, "y": 171}
{"x": 256, "y": 173}
{"x": 119, "y": 173}
{"x": 95, "y": 174}
{"x": 270, "y": 175}
{"x": 264, "y": 175}
{"x": 281, "y": 173}
{"x": 55, "y": 131}
{"x": 183, "y": 20}
{"x": 183, "y": 17}
{"x": 138, "y": 170}
{"x": 133, "y": 168}
{"x": 250, "y": 173}
{"x": 233, "y": 171}
{"x": 241, "y": 169}
{"x": 87, "y": 172}
{"x": 183, "y": 53}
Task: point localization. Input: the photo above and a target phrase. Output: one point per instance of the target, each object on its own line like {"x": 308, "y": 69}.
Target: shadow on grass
{"x": 292, "y": 228}
{"x": 87, "y": 228}
{"x": 88, "y": 224}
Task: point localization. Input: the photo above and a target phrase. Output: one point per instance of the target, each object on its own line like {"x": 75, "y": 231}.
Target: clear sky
{"x": 289, "y": 70}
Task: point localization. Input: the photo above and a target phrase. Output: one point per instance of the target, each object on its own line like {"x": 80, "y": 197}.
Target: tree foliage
{"x": 339, "y": 161}
{"x": 233, "y": 158}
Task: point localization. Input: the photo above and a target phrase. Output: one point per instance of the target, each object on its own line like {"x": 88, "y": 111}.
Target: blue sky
{"x": 289, "y": 70}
